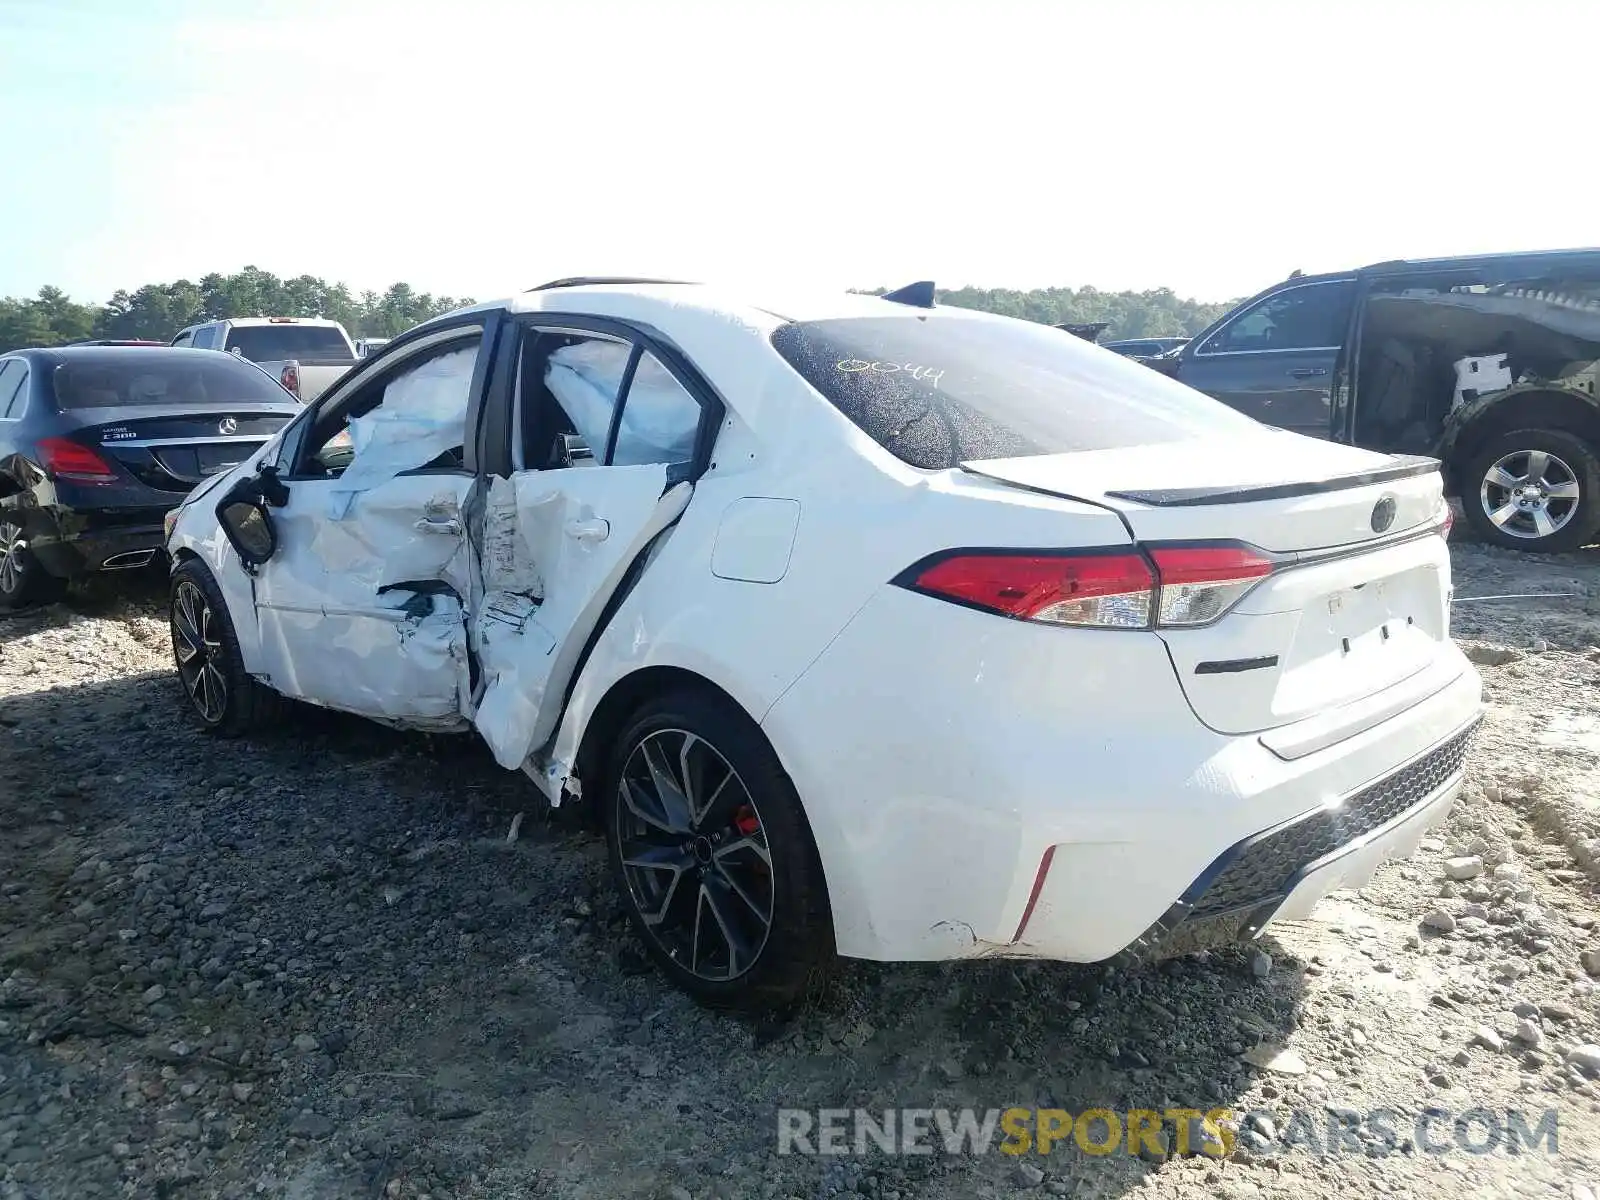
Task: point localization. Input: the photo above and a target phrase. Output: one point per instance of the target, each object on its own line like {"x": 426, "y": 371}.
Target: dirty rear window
{"x": 150, "y": 377}
{"x": 267, "y": 343}
{"x": 940, "y": 389}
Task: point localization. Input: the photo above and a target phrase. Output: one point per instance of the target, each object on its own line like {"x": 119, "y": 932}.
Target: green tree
{"x": 48, "y": 319}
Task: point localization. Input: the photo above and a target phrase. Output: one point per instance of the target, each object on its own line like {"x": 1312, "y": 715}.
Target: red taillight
{"x": 1447, "y": 522}
{"x": 1200, "y": 583}
{"x": 1175, "y": 587}
{"x": 62, "y": 459}
{"x": 290, "y": 379}
{"x": 1105, "y": 590}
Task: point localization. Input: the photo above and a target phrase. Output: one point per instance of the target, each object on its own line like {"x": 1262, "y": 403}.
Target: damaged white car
{"x": 865, "y": 627}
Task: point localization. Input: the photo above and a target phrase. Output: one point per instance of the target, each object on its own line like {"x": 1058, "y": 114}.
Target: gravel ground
{"x": 313, "y": 965}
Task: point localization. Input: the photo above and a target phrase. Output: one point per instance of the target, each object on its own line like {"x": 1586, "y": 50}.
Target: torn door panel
{"x": 420, "y": 422}
{"x": 578, "y": 532}
{"x": 391, "y": 543}
{"x": 513, "y": 523}
{"x": 404, "y": 660}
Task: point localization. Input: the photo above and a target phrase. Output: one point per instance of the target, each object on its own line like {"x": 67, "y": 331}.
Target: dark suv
{"x": 1489, "y": 363}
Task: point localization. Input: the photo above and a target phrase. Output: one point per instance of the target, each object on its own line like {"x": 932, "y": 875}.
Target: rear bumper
{"x": 79, "y": 541}
{"x": 1000, "y": 789}
{"x": 1281, "y": 873}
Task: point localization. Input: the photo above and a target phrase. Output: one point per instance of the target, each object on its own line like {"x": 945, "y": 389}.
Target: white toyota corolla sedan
{"x": 865, "y": 627}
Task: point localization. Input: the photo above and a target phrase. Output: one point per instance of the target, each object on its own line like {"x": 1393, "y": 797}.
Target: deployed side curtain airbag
{"x": 659, "y": 418}
{"x": 423, "y": 414}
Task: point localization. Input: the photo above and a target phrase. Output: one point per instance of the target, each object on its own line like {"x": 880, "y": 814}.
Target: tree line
{"x": 159, "y": 310}
{"x": 1157, "y": 313}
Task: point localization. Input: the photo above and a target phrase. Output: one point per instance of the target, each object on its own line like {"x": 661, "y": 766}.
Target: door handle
{"x": 591, "y": 530}
{"x": 447, "y": 525}
{"x": 1307, "y": 372}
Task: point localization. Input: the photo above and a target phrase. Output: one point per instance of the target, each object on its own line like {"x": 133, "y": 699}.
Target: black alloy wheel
{"x": 713, "y": 855}
{"x": 197, "y": 647}
{"x": 221, "y": 694}
{"x": 694, "y": 855}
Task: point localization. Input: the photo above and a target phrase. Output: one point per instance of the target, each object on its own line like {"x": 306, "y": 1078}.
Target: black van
{"x": 1488, "y": 363}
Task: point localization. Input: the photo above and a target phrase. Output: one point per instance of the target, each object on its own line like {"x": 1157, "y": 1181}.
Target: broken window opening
{"x": 1433, "y": 343}
{"x": 591, "y": 400}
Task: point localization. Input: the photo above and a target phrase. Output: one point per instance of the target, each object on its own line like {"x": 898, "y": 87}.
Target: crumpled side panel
{"x": 409, "y": 667}
{"x": 385, "y": 546}
{"x": 423, "y": 414}
{"x": 519, "y": 534}
{"x": 528, "y": 647}
{"x": 520, "y": 650}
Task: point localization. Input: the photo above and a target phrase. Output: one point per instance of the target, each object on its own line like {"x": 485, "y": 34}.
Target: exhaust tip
{"x": 128, "y": 560}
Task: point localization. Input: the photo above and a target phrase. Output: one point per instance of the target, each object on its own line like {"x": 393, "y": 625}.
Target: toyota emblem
{"x": 1383, "y": 514}
{"x": 228, "y": 425}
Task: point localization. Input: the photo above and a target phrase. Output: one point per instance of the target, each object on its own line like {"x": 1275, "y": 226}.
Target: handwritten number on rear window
{"x": 921, "y": 374}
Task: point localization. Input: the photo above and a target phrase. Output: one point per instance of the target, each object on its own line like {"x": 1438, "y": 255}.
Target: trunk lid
{"x": 172, "y": 450}
{"x": 1358, "y": 602}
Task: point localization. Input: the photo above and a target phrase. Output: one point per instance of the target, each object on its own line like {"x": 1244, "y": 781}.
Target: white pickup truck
{"x": 304, "y": 354}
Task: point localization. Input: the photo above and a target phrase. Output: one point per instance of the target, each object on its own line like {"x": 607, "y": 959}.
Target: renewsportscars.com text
{"x": 1212, "y": 1132}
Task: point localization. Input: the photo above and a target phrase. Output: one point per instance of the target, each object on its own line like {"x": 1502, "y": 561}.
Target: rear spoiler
{"x": 1089, "y": 331}
{"x": 1403, "y": 466}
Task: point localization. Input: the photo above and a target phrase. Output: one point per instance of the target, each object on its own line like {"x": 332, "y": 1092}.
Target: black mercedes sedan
{"x": 98, "y": 442}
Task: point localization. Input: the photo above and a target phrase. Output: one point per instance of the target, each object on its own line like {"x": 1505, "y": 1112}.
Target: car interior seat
{"x": 545, "y": 424}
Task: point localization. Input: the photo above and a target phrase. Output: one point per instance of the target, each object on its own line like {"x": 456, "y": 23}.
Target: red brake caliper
{"x": 744, "y": 820}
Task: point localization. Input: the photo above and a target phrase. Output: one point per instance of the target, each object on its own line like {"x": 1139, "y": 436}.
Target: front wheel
{"x": 1533, "y": 489}
{"x": 713, "y": 855}
{"x": 221, "y": 694}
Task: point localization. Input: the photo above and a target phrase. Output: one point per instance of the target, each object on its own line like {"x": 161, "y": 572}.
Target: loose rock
{"x": 1441, "y": 920}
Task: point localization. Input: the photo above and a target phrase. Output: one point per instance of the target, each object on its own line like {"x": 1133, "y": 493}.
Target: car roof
{"x": 1532, "y": 258}
{"x": 252, "y": 322}
{"x": 769, "y": 307}
{"x": 139, "y": 356}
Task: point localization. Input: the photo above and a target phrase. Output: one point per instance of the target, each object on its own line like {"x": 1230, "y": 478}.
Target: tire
{"x": 1497, "y": 477}
{"x": 219, "y": 693}
{"x": 749, "y": 854}
{"x": 23, "y": 580}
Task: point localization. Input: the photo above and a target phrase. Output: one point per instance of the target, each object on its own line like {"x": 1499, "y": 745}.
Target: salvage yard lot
{"x": 313, "y": 965}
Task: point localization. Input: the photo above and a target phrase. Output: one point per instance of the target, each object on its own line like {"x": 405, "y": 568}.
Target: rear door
{"x": 608, "y": 432}
{"x": 1274, "y": 359}
{"x": 363, "y": 606}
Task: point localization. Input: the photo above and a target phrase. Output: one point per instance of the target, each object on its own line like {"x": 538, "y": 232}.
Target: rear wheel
{"x": 714, "y": 858}
{"x": 22, "y": 580}
{"x": 220, "y": 692}
{"x": 1533, "y": 489}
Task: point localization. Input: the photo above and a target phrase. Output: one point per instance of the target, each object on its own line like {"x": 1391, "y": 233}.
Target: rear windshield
{"x": 138, "y": 379}
{"x": 942, "y": 389}
{"x": 264, "y": 343}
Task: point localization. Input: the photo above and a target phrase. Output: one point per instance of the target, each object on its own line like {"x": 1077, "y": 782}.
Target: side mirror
{"x": 242, "y": 513}
{"x": 248, "y": 529}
